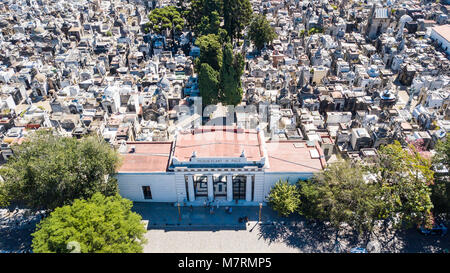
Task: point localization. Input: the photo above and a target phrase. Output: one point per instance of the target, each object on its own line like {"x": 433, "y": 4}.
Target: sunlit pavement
{"x": 221, "y": 240}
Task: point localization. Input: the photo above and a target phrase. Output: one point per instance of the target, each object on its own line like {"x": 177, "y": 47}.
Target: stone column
{"x": 210, "y": 188}
{"x": 229, "y": 188}
{"x": 248, "y": 188}
{"x": 191, "y": 188}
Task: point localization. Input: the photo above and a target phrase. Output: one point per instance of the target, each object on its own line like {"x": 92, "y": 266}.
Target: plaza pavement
{"x": 197, "y": 231}
{"x": 216, "y": 241}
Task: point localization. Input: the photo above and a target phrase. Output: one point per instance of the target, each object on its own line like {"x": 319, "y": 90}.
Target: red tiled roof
{"x": 283, "y": 156}
{"x": 148, "y": 157}
{"x": 218, "y": 142}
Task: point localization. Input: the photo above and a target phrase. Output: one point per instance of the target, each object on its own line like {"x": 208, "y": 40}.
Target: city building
{"x": 223, "y": 164}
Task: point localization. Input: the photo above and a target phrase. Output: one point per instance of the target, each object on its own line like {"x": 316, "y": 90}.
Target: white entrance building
{"x": 225, "y": 165}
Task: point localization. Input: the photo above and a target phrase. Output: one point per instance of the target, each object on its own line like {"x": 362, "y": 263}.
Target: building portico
{"x": 223, "y": 186}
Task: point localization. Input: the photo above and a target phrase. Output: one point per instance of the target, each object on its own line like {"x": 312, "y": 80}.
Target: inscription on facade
{"x": 217, "y": 160}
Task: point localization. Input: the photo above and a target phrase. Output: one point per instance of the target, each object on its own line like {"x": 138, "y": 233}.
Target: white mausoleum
{"x": 221, "y": 164}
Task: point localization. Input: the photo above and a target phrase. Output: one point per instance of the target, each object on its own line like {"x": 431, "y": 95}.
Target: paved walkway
{"x": 219, "y": 241}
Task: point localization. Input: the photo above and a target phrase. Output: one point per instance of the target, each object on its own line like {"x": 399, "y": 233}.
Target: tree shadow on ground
{"x": 410, "y": 241}
{"x": 273, "y": 233}
{"x": 310, "y": 236}
{"x": 16, "y": 226}
{"x": 305, "y": 235}
{"x": 13, "y": 238}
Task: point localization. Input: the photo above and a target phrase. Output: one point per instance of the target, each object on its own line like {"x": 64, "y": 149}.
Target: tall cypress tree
{"x": 208, "y": 84}
{"x": 237, "y": 14}
{"x": 199, "y": 10}
{"x": 230, "y": 76}
{"x": 210, "y": 51}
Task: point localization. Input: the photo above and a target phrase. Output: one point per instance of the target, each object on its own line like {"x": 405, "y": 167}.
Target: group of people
{"x": 243, "y": 219}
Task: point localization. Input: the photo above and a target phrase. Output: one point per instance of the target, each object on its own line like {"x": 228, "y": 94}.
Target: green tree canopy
{"x": 230, "y": 76}
{"x": 442, "y": 155}
{"x": 49, "y": 171}
{"x": 260, "y": 32}
{"x": 210, "y": 51}
{"x": 340, "y": 194}
{"x": 200, "y": 9}
{"x": 315, "y": 30}
{"x": 237, "y": 14}
{"x": 3, "y": 196}
{"x": 404, "y": 176}
{"x": 99, "y": 225}
{"x": 209, "y": 24}
{"x": 441, "y": 188}
{"x": 208, "y": 83}
{"x": 167, "y": 18}
{"x": 284, "y": 198}
{"x": 394, "y": 187}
